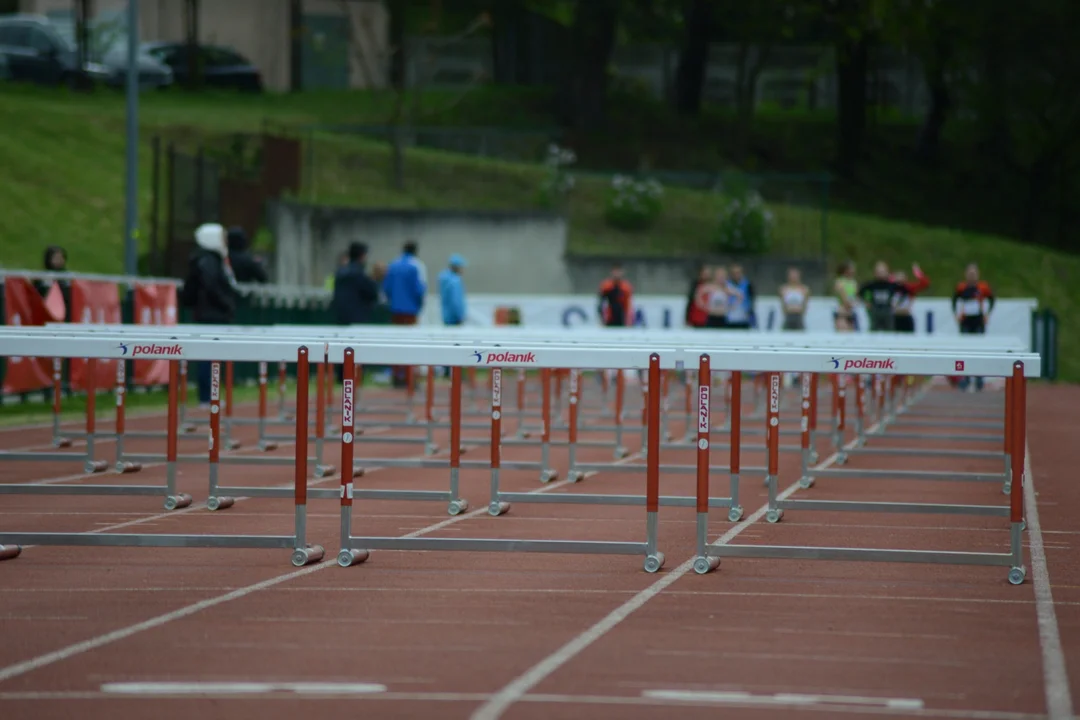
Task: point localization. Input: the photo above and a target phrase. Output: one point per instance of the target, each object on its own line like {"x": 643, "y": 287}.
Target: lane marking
{"x": 782, "y": 699}
{"x": 1055, "y": 677}
{"x": 79, "y": 648}
{"x": 524, "y": 683}
{"x": 240, "y": 688}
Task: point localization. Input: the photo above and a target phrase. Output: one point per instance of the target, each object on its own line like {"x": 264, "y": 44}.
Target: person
{"x": 209, "y": 290}
{"x": 717, "y": 297}
{"x": 616, "y": 299}
{"x": 972, "y": 303}
{"x": 740, "y": 315}
{"x": 355, "y": 293}
{"x": 246, "y": 267}
{"x": 452, "y": 292}
{"x": 846, "y": 289}
{"x": 405, "y": 286}
{"x": 56, "y": 261}
{"x": 879, "y": 295}
{"x": 903, "y": 318}
{"x": 794, "y": 298}
{"x": 696, "y": 314}
{"x": 343, "y": 260}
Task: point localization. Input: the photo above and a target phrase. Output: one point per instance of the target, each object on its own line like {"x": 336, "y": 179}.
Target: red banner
{"x": 154, "y": 305}
{"x": 94, "y": 301}
{"x": 24, "y": 306}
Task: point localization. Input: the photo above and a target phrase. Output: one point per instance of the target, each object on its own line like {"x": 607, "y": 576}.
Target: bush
{"x": 745, "y": 226}
{"x": 633, "y": 204}
{"x": 558, "y": 182}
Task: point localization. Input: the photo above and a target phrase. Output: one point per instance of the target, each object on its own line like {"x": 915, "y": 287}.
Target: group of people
{"x": 400, "y": 287}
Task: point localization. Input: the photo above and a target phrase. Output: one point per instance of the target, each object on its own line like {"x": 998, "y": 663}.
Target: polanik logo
{"x": 478, "y": 356}
{"x": 123, "y": 348}
{"x": 835, "y": 363}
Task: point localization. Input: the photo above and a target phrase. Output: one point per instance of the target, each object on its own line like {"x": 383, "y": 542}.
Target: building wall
{"x": 259, "y": 30}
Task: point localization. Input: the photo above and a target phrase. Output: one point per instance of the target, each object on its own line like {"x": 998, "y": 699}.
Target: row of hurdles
{"x": 888, "y": 359}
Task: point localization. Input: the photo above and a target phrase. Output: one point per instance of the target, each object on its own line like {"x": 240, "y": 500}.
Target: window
{"x": 13, "y": 35}
{"x": 40, "y": 41}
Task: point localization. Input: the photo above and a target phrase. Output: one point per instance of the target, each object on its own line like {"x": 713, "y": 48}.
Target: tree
{"x": 693, "y": 56}
{"x": 592, "y": 40}
{"x": 191, "y": 39}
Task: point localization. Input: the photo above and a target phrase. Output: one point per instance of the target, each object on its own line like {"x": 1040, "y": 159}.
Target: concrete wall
{"x": 506, "y": 252}
{"x": 509, "y": 253}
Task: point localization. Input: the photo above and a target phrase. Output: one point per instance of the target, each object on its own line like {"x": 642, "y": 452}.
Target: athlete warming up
{"x": 903, "y": 304}
{"x": 846, "y": 290}
{"x": 697, "y": 313}
{"x": 718, "y": 296}
{"x": 616, "y": 295}
{"x": 794, "y": 297}
{"x": 879, "y": 295}
{"x": 972, "y": 303}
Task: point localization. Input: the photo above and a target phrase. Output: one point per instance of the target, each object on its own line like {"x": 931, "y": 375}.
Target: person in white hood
{"x": 209, "y": 289}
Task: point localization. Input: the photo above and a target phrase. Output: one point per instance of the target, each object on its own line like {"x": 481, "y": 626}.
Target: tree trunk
{"x": 852, "y": 56}
{"x": 693, "y": 57}
{"x": 398, "y": 83}
{"x": 928, "y": 149}
{"x": 191, "y": 36}
{"x": 1039, "y": 180}
{"x": 585, "y": 87}
{"x": 296, "y": 46}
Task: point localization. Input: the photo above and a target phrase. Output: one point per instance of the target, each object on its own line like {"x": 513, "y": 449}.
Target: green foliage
{"x": 745, "y": 225}
{"x": 633, "y": 204}
{"x": 557, "y": 183}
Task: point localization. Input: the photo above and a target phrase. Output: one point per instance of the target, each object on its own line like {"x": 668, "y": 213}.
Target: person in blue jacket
{"x": 452, "y": 291}
{"x": 405, "y": 285}
{"x": 452, "y": 294}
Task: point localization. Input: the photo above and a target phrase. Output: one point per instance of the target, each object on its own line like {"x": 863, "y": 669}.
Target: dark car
{"x": 221, "y": 67}
{"x": 39, "y": 51}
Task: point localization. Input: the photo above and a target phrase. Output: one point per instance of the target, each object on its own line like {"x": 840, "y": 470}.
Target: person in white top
{"x": 718, "y": 296}
{"x": 794, "y": 297}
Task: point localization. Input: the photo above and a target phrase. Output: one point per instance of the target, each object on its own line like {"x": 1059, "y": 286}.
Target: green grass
{"x": 63, "y": 155}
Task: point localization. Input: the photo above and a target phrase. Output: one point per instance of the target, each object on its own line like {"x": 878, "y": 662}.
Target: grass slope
{"x": 64, "y": 159}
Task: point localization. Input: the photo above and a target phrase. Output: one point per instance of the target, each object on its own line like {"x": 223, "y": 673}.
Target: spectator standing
{"x": 452, "y": 292}
{"x": 903, "y": 318}
{"x": 880, "y": 296}
{"x": 718, "y": 296}
{"x": 794, "y": 298}
{"x": 209, "y": 290}
{"x": 972, "y": 302}
{"x": 355, "y": 293}
{"x": 56, "y": 261}
{"x": 343, "y": 260}
{"x": 246, "y": 267}
{"x": 697, "y": 313}
{"x": 405, "y": 285}
{"x": 616, "y": 299}
{"x": 740, "y": 315}
{"x": 846, "y": 289}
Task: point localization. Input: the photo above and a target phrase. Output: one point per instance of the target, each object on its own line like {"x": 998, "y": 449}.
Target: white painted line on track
{"x": 1055, "y": 677}
{"x": 80, "y": 648}
{"x": 782, "y": 699}
{"x": 240, "y": 688}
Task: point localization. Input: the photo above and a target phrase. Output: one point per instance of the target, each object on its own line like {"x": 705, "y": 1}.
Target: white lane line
{"x": 523, "y": 684}
{"x": 76, "y": 649}
{"x": 1055, "y": 677}
{"x": 240, "y": 688}
{"x": 782, "y": 699}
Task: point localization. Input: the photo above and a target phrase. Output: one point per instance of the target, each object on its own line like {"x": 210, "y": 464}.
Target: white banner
{"x": 933, "y": 315}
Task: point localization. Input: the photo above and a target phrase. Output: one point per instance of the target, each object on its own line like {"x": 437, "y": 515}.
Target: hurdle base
{"x": 548, "y": 474}
{"x": 96, "y": 466}
{"x": 10, "y": 552}
{"x": 62, "y": 442}
{"x": 704, "y": 564}
{"x": 125, "y": 468}
{"x": 307, "y": 555}
{"x": 268, "y": 445}
{"x": 322, "y": 471}
{"x": 220, "y": 503}
{"x": 177, "y": 502}
{"x": 348, "y": 558}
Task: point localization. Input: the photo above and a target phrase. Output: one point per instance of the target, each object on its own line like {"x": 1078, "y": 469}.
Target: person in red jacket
{"x": 696, "y": 313}
{"x": 616, "y": 295}
{"x": 903, "y": 319}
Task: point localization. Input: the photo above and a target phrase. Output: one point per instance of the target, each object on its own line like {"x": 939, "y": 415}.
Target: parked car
{"x": 44, "y": 53}
{"x": 221, "y": 67}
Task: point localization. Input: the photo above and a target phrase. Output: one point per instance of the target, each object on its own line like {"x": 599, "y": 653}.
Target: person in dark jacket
{"x": 355, "y": 293}
{"x": 246, "y": 267}
{"x": 209, "y": 289}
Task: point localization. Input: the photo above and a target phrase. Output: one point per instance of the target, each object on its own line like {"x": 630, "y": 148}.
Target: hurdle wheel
{"x": 220, "y": 503}
{"x": 574, "y": 476}
{"x": 1006, "y": 488}
{"x": 175, "y": 502}
{"x": 621, "y": 452}
{"x": 548, "y": 474}
{"x": 806, "y": 482}
{"x": 1017, "y": 575}
{"x": 431, "y": 448}
{"x": 774, "y": 516}
{"x": 458, "y": 506}
{"x": 307, "y": 556}
{"x": 704, "y": 565}
{"x": 495, "y": 509}
{"x": 653, "y": 563}
{"x": 735, "y": 514}
{"x": 348, "y": 558}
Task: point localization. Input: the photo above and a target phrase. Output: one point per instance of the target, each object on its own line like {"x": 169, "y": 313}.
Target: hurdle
{"x": 302, "y": 553}
{"x": 1016, "y": 368}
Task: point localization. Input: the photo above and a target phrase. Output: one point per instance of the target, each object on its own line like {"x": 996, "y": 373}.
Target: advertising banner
{"x": 23, "y": 305}
{"x": 155, "y": 304}
{"x": 94, "y": 301}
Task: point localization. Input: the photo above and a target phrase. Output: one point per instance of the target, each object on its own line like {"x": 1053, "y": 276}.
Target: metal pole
{"x": 131, "y": 214}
